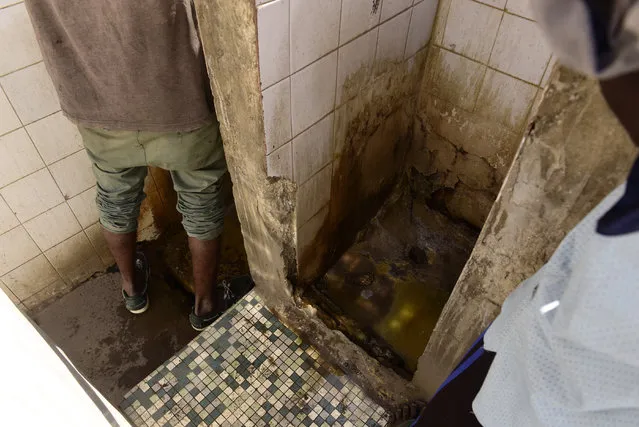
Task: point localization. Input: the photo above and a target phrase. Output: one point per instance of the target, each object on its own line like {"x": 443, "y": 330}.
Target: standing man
{"x": 131, "y": 75}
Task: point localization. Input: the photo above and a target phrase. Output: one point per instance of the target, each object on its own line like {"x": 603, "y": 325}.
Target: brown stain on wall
{"x": 372, "y": 138}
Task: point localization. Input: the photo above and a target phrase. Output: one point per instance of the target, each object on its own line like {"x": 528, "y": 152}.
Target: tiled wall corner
{"x": 313, "y": 56}
{"x": 47, "y": 188}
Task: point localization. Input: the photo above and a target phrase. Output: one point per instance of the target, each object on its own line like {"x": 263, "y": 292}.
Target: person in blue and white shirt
{"x": 565, "y": 349}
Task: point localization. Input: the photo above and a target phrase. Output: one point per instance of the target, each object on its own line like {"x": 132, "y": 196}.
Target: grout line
{"x": 20, "y": 69}
{"x": 326, "y": 205}
{"x": 545, "y": 70}
{"x": 504, "y": 9}
{"x": 339, "y": 34}
{"x": 486, "y": 65}
{"x": 11, "y": 5}
{"x": 290, "y": 96}
{"x": 30, "y": 259}
{"x": 330, "y": 162}
{"x": 450, "y": 3}
{"x": 410, "y": 21}
{"x": 492, "y": 48}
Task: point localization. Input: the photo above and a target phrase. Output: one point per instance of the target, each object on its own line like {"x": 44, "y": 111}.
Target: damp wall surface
{"x": 339, "y": 79}
{"x": 487, "y": 65}
{"x": 574, "y": 154}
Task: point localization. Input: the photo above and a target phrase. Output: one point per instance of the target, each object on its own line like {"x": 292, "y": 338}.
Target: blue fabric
{"x": 467, "y": 361}
{"x": 623, "y": 217}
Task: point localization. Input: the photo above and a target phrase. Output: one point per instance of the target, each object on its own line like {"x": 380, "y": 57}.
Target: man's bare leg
{"x": 122, "y": 247}
{"x": 206, "y": 261}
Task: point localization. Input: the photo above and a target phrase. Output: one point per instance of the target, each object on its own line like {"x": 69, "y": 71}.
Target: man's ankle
{"x": 204, "y": 305}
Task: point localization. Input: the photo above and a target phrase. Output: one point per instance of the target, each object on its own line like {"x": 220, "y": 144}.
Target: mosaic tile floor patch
{"x": 248, "y": 369}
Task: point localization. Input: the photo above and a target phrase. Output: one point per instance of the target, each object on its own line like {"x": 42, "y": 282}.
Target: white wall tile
{"x": 495, "y": 3}
{"x": 273, "y": 37}
{"x": 314, "y": 30}
{"x": 471, "y": 29}
{"x": 32, "y": 195}
{"x": 391, "y": 8}
{"x": 18, "y": 157}
{"x": 96, "y": 237}
{"x": 31, "y": 277}
{"x": 14, "y": 299}
{"x": 16, "y": 248}
{"x": 358, "y": 16}
{"x": 75, "y": 259}
{"x": 277, "y": 114}
{"x": 505, "y": 99}
{"x": 280, "y": 162}
{"x": 521, "y": 8}
{"x": 520, "y": 49}
{"x": 312, "y": 149}
{"x": 18, "y": 44}
{"x": 84, "y": 207}
{"x": 55, "y": 137}
{"x": 391, "y": 42}
{"x": 313, "y": 92}
{"x": 53, "y": 226}
{"x": 74, "y": 174}
{"x": 355, "y": 59}
{"x": 8, "y": 119}
{"x": 308, "y": 231}
{"x": 421, "y": 26}
{"x": 31, "y": 92}
{"x": 456, "y": 79}
{"x": 7, "y": 219}
{"x": 313, "y": 194}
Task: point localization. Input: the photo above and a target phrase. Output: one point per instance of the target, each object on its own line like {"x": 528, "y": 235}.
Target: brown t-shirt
{"x": 125, "y": 64}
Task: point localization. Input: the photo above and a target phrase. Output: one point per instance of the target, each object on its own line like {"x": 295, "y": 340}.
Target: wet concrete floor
{"x": 112, "y": 348}
{"x": 393, "y": 283}
{"x": 115, "y": 349}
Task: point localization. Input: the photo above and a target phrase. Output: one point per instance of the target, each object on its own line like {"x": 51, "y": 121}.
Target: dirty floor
{"x": 388, "y": 289}
{"x": 248, "y": 369}
{"x": 111, "y": 347}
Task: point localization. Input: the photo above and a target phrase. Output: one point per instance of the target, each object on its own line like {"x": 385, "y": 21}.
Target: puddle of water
{"x": 394, "y": 283}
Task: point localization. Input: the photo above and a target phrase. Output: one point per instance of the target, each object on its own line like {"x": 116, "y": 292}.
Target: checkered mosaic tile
{"x": 248, "y": 369}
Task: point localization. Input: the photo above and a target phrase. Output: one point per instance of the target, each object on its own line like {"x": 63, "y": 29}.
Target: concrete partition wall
{"x": 573, "y": 155}
{"x": 268, "y": 186}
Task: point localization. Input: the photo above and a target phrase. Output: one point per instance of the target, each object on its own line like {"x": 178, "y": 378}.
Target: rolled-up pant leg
{"x": 200, "y": 200}
{"x": 119, "y": 195}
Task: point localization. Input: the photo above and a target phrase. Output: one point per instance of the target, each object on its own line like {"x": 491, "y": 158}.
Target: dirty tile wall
{"x": 309, "y": 52}
{"x": 50, "y": 238}
{"x": 488, "y": 64}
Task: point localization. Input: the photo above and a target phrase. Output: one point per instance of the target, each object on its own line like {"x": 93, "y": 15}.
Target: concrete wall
{"x": 338, "y": 79}
{"x": 50, "y": 238}
{"x": 266, "y": 204}
{"x": 574, "y": 155}
{"x": 487, "y": 64}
